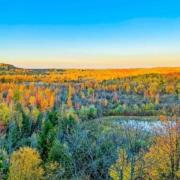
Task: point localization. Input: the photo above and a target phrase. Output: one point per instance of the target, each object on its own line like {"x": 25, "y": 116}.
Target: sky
{"x": 90, "y": 33}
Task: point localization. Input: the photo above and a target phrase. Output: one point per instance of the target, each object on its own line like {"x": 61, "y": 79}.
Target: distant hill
{"x": 7, "y": 67}
{"x": 115, "y": 73}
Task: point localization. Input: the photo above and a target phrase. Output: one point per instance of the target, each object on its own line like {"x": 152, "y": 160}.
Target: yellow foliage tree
{"x": 44, "y": 105}
{"x": 69, "y": 101}
{"x": 105, "y": 102}
{"x": 32, "y": 101}
{"x": 70, "y": 92}
{"x": 82, "y": 95}
{"x": 122, "y": 168}
{"x": 163, "y": 159}
{"x": 53, "y": 170}
{"x": 34, "y": 114}
{"x": 51, "y": 102}
{"x": 4, "y": 114}
{"x": 128, "y": 88}
{"x": 170, "y": 89}
{"x": 25, "y": 165}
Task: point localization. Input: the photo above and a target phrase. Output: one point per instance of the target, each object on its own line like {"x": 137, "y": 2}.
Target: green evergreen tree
{"x": 46, "y": 139}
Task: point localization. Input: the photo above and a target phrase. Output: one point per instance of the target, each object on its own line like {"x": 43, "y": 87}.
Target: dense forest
{"x": 69, "y": 124}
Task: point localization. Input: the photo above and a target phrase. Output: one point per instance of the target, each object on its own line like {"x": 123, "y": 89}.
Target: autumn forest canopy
{"x": 87, "y": 124}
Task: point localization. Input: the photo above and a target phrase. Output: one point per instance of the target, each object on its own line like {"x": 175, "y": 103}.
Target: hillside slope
{"x": 6, "y": 66}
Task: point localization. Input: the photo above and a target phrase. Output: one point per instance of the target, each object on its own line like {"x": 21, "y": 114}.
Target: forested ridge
{"x": 57, "y": 124}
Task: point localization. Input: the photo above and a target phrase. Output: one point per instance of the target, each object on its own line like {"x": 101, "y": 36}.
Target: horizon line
{"x": 153, "y": 67}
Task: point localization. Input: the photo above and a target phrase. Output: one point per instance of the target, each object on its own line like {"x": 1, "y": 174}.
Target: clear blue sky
{"x": 90, "y": 33}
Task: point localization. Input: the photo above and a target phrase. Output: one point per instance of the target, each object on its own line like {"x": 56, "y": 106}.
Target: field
{"x": 60, "y": 122}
